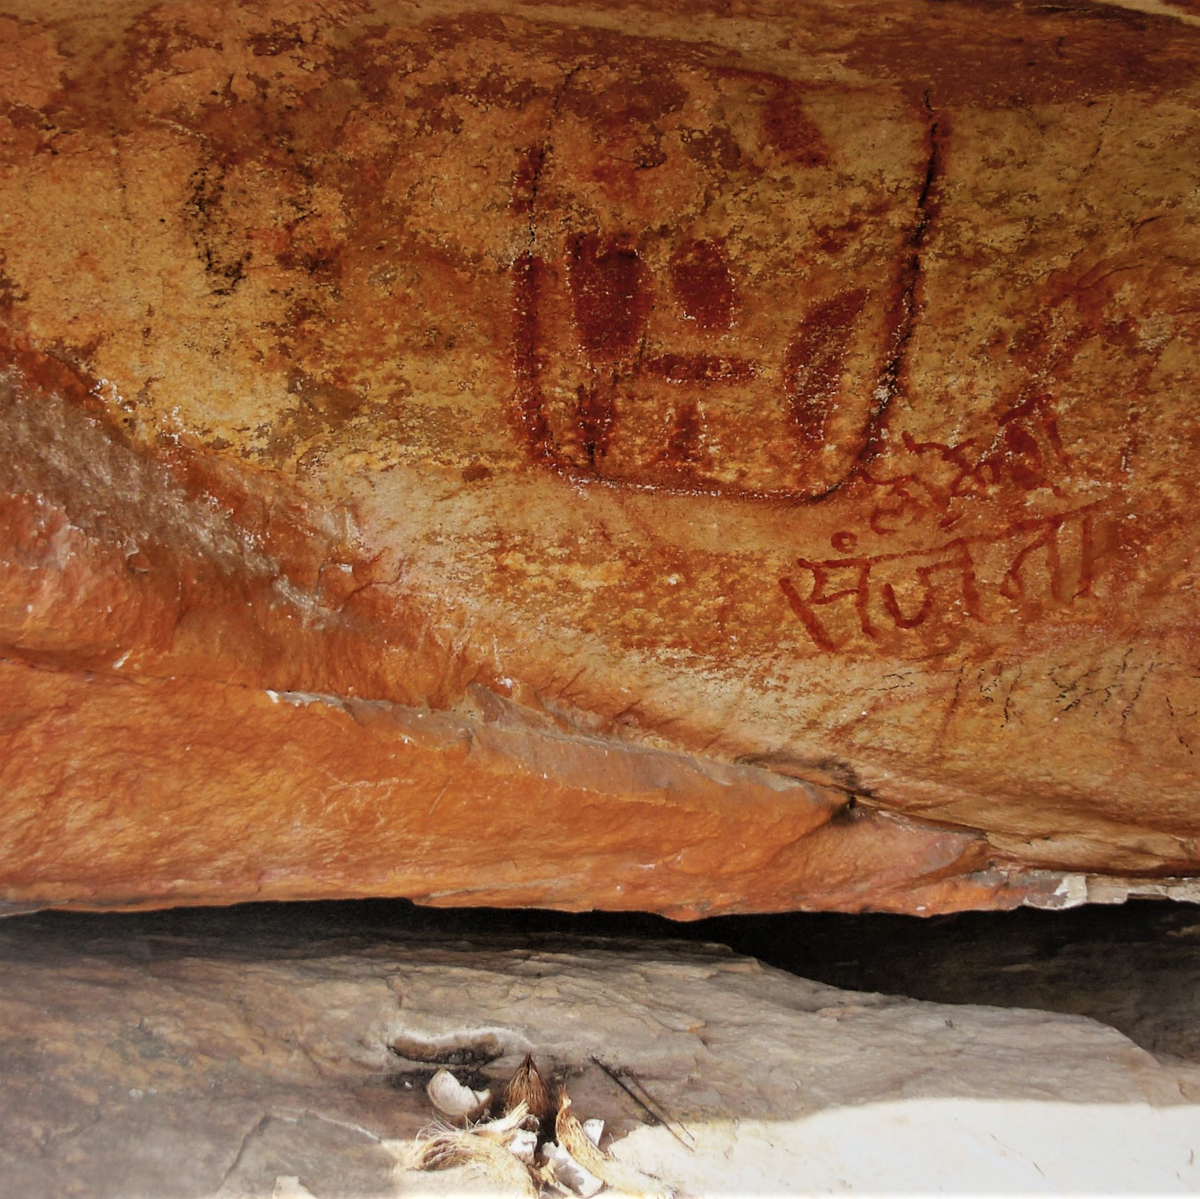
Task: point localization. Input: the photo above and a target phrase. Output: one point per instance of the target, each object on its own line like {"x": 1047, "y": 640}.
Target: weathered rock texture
{"x": 565, "y": 455}
{"x": 165, "y": 1058}
{"x": 1134, "y": 966}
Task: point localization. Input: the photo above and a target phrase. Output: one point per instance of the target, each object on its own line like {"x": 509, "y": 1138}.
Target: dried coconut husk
{"x": 528, "y": 1087}
{"x": 484, "y": 1157}
{"x": 616, "y": 1174}
{"x": 481, "y": 1148}
{"x": 505, "y": 1127}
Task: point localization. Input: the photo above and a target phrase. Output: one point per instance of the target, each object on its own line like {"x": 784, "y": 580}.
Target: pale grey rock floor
{"x": 216, "y": 1052}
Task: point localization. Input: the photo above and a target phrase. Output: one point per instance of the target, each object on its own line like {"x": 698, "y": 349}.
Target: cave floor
{"x": 283, "y": 1050}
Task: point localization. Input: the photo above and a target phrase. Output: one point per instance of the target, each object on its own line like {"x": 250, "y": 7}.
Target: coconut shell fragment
{"x": 454, "y": 1100}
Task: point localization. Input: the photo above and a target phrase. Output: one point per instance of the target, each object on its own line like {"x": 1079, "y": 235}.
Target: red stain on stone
{"x": 685, "y": 437}
{"x": 525, "y": 177}
{"x": 788, "y": 128}
{"x": 813, "y": 370}
{"x": 702, "y": 283}
{"x": 531, "y": 415}
{"x": 611, "y": 304}
{"x": 595, "y": 416}
{"x": 700, "y": 368}
{"x": 626, "y": 107}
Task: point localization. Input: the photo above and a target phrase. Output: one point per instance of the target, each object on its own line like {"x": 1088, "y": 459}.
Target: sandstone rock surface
{"x": 213, "y": 1056}
{"x": 1135, "y": 966}
{"x": 632, "y": 455}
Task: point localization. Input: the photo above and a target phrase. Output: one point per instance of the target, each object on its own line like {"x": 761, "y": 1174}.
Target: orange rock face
{"x": 610, "y": 455}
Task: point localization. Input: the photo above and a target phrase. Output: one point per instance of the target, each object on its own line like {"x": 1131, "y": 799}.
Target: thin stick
{"x": 629, "y": 1073}
{"x": 648, "y": 1104}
